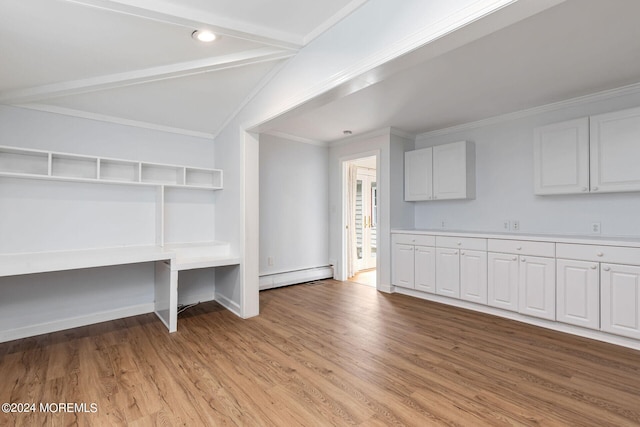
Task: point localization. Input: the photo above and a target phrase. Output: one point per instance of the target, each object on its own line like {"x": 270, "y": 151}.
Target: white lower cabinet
{"x": 620, "y": 298}
{"x": 591, "y": 285}
{"x": 525, "y": 284}
{"x": 502, "y": 286}
{"x": 448, "y": 272}
{"x": 537, "y": 287}
{"x": 578, "y": 293}
{"x": 413, "y": 262}
{"x": 473, "y": 276}
{"x": 425, "y": 268}
{"x": 403, "y": 265}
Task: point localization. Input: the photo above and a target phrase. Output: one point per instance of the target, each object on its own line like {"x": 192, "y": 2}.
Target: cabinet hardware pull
{"x": 459, "y": 243}
{"x": 593, "y": 267}
{"x": 519, "y": 248}
{"x": 515, "y": 258}
{"x": 595, "y": 188}
{"x": 599, "y": 254}
{"x": 461, "y": 253}
{"x": 606, "y": 268}
{"x": 584, "y": 188}
{"x": 524, "y": 260}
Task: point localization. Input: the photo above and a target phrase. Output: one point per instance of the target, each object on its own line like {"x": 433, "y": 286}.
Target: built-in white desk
{"x": 169, "y": 261}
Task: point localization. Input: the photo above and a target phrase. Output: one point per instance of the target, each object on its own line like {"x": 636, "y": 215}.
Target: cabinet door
{"x": 502, "y": 286}
{"x": 403, "y": 264}
{"x": 450, "y": 170}
{"x": 615, "y": 151}
{"x": 418, "y": 184}
{"x": 473, "y": 276}
{"x": 448, "y": 272}
{"x": 620, "y": 298}
{"x": 561, "y": 157}
{"x": 537, "y": 287}
{"x": 425, "y": 269}
{"x": 578, "y": 293}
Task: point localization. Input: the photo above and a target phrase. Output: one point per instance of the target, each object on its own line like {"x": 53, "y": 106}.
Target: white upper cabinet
{"x": 561, "y": 157}
{"x": 615, "y": 151}
{"x": 596, "y": 154}
{"x": 454, "y": 171}
{"x": 418, "y": 175}
{"x": 442, "y": 172}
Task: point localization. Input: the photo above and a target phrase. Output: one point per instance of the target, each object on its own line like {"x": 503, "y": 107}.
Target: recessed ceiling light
{"x": 204, "y": 36}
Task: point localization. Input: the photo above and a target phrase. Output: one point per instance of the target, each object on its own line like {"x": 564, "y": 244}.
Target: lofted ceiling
{"x": 576, "y": 48}
{"x": 134, "y": 61}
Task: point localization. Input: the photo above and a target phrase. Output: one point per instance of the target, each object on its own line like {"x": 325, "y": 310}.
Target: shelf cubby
{"x": 70, "y": 166}
{"x": 206, "y": 178}
{"x": 24, "y": 161}
{"x": 40, "y": 164}
{"x": 162, "y": 174}
{"x": 119, "y": 170}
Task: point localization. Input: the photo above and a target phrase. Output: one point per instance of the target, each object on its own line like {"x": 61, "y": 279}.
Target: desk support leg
{"x": 166, "y": 295}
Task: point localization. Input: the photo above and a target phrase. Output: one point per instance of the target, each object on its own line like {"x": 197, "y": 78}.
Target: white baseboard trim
{"x": 230, "y": 305}
{"x": 556, "y": 326}
{"x": 75, "y": 322}
{"x": 270, "y": 281}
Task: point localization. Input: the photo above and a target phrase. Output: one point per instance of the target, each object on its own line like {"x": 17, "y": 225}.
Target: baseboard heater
{"x": 270, "y": 281}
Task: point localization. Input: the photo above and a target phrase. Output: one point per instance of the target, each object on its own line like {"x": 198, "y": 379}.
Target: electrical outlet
{"x": 270, "y": 261}
{"x": 595, "y": 228}
{"x": 506, "y": 225}
{"x": 515, "y": 225}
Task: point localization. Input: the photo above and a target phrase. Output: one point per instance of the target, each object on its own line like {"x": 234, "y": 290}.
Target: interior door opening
{"x": 362, "y": 219}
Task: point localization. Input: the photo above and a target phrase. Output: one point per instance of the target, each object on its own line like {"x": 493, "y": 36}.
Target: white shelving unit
{"x": 111, "y": 200}
{"x": 39, "y": 164}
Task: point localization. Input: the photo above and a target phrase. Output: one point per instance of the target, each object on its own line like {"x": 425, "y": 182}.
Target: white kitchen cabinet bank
{"x": 584, "y": 286}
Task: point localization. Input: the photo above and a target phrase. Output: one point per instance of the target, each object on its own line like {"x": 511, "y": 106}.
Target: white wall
{"x": 294, "y": 205}
{"x": 376, "y": 33}
{"x": 42, "y": 215}
{"x": 504, "y": 164}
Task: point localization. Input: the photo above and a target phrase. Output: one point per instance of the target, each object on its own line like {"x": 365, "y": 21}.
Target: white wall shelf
{"x": 68, "y": 214}
{"x": 24, "y": 162}
{"x": 119, "y": 170}
{"x": 40, "y": 164}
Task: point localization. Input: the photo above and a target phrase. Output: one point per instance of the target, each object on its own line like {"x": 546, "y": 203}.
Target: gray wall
{"x": 504, "y": 164}
{"x": 294, "y": 205}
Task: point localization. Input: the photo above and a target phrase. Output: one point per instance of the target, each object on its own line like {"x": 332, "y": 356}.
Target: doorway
{"x": 362, "y": 221}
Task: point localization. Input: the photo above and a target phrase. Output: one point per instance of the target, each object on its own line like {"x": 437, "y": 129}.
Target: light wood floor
{"x": 334, "y": 353}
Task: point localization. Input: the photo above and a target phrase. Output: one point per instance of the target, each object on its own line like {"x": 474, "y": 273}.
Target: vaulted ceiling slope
{"x": 134, "y": 61}
{"x": 576, "y": 48}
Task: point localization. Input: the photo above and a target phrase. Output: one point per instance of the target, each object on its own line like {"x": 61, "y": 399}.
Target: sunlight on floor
{"x": 365, "y": 277}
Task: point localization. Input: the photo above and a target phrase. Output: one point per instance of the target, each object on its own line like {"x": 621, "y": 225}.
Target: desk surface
{"x": 181, "y": 257}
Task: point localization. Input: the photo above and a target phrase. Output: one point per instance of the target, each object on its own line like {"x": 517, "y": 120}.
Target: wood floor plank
{"x": 335, "y": 353}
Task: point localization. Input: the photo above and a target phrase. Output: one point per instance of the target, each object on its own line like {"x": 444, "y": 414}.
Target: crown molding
{"x": 555, "y": 106}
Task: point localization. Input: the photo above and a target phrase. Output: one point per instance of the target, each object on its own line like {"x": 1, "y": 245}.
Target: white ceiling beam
{"x": 161, "y": 11}
{"x": 128, "y": 78}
